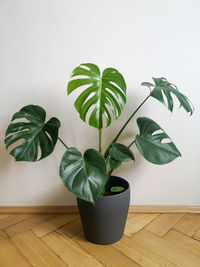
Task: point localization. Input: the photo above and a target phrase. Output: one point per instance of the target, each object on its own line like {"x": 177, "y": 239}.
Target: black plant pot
{"x": 104, "y": 222}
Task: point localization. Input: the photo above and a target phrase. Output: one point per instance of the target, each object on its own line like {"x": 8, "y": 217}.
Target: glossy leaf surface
{"x": 121, "y": 152}
{"x": 114, "y": 164}
{"x": 37, "y": 137}
{"x": 154, "y": 144}
{"x": 104, "y": 96}
{"x": 163, "y": 92}
{"x": 83, "y": 175}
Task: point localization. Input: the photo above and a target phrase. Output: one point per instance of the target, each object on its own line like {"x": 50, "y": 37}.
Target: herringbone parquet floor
{"x": 57, "y": 240}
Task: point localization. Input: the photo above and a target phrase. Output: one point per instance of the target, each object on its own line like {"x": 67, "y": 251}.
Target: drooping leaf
{"x": 83, "y": 175}
{"x": 121, "y": 152}
{"x": 33, "y": 134}
{"x": 117, "y": 189}
{"x": 163, "y": 92}
{"x": 104, "y": 96}
{"x": 114, "y": 164}
{"x": 154, "y": 144}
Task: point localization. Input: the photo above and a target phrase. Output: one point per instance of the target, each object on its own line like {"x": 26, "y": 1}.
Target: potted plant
{"x": 103, "y": 200}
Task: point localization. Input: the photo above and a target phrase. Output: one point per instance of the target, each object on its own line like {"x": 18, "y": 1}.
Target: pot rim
{"x": 114, "y": 195}
{"x": 120, "y": 193}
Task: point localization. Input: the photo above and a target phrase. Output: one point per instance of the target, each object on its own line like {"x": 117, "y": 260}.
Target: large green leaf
{"x": 83, "y": 175}
{"x": 163, "y": 91}
{"x": 154, "y": 144}
{"x": 33, "y": 134}
{"x": 104, "y": 96}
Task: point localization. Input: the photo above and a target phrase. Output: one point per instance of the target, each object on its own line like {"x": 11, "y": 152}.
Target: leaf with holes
{"x": 35, "y": 133}
{"x": 85, "y": 175}
{"x": 150, "y": 142}
{"x": 163, "y": 88}
{"x": 105, "y": 95}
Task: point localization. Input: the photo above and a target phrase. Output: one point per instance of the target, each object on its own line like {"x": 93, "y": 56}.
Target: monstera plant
{"x": 101, "y": 101}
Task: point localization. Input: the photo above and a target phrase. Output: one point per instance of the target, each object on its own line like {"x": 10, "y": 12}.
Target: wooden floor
{"x": 57, "y": 240}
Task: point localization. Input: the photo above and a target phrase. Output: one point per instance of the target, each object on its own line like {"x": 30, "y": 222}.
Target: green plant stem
{"x": 125, "y": 124}
{"x": 104, "y": 188}
{"x": 131, "y": 144}
{"x": 100, "y": 140}
{"x": 63, "y": 142}
{"x": 109, "y": 174}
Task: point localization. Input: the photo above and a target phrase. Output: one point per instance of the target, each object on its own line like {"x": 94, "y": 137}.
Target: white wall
{"x": 43, "y": 40}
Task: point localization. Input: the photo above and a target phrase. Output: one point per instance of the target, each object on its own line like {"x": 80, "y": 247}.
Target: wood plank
{"x": 71, "y": 253}
{"x": 74, "y": 209}
{"x": 165, "y": 249}
{"x": 160, "y": 209}
{"x": 193, "y": 209}
{"x": 140, "y": 254}
{"x": 39, "y": 209}
{"x": 51, "y": 225}
{"x": 27, "y": 224}
{"x": 183, "y": 241}
{"x": 37, "y": 253}
{"x": 108, "y": 255}
{"x": 189, "y": 224}
{"x": 163, "y": 223}
{"x": 4, "y": 215}
{"x": 9, "y": 256}
{"x": 138, "y": 221}
{"x": 2, "y": 236}
{"x": 72, "y": 228}
{"x": 12, "y": 219}
{"x": 197, "y": 235}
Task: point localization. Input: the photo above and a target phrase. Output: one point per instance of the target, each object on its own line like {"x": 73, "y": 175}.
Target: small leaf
{"x": 85, "y": 175}
{"x": 121, "y": 153}
{"x": 33, "y": 134}
{"x": 116, "y": 189}
{"x": 114, "y": 164}
{"x": 150, "y": 142}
